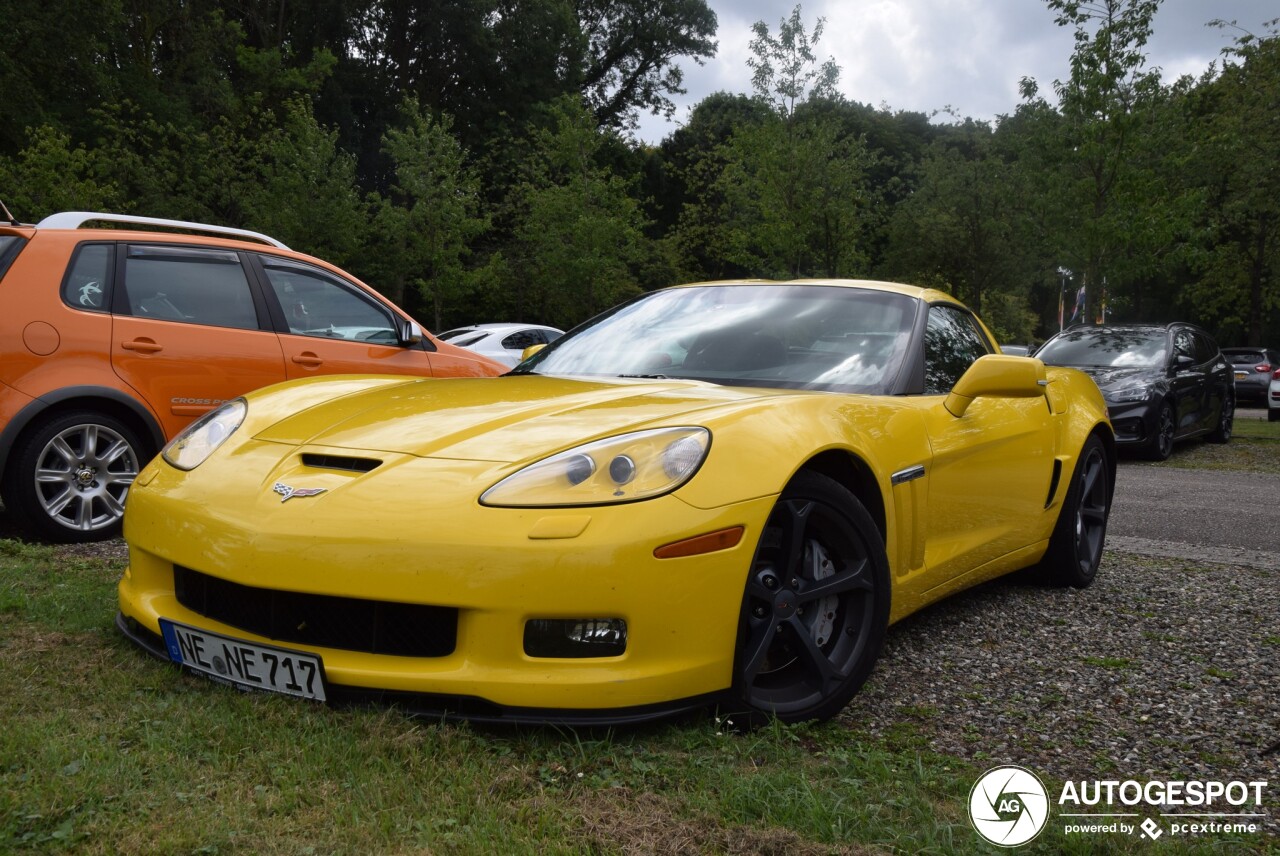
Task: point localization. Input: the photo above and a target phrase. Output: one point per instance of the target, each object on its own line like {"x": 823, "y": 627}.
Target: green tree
{"x": 579, "y": 233}
{"x": 1104, "y": 104}
{"x": 50, "y": 175}
{"x": 1236, "y": 152}
{"x": 431, "y": 217}
{"x": 785, "y": 194}
{"x": 959, "y": 229}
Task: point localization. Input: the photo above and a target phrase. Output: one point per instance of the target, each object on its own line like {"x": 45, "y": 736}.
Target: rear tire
{"x": 1075, "y": 549}
{"x": 67, "y": 479}
{"x": 815, "y": 608}
{"x": 1273, "y": 414}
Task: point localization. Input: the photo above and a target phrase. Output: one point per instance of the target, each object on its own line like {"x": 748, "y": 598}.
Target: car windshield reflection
{"x": 791, "y": 336}
{"x": 1114, "y": 347}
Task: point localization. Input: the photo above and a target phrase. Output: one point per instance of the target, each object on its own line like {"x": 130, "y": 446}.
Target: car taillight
{"x": 1276, "y": 376}
{"x": 1262, "y": 368}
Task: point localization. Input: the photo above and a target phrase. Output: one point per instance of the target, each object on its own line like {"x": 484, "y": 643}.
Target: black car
{"x": 1162, "y": 382}
{"x": 1253, "y": 368}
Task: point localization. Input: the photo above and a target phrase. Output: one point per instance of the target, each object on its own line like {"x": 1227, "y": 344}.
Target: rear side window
{"x": 88, "y": 279}
{"x": 189, "y": 284}
{"x": 10, "y": 245}
{"x": 522, "y": 339}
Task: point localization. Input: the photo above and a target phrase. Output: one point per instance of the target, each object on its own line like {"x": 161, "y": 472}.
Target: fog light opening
{"x": 575, "y": 638}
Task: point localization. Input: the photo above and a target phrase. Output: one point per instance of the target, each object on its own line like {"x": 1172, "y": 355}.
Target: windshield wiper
{"x": 647, "y": 376}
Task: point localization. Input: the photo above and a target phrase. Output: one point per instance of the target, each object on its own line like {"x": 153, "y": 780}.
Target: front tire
{"x": 816, "y": 605}
{"x": 1160, "y": 446}
{"x": 1075, "y": 549}
{"x": 67, "y": 479}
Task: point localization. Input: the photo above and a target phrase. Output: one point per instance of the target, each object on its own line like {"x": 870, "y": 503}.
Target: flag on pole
{"x": 1078, "y": 311}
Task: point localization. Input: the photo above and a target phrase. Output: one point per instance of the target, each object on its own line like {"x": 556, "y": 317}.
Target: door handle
{"x": 308, "y": 359}
{"x": 142, "y": 346}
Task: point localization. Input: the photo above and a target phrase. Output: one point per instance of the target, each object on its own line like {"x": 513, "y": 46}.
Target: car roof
{"x": 498, "y": 327}
{"x": 931, "y": 295}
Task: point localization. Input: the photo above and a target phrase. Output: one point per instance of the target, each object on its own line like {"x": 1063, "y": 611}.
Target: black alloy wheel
{"x": 1161, "y": 445}
{"x": 1075, "y": 550}
{"x": 68, "y": 478}
{"x": 816, "y": 604}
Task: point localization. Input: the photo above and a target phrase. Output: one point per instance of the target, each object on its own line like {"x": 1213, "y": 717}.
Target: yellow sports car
{"x": 718, "y": 494}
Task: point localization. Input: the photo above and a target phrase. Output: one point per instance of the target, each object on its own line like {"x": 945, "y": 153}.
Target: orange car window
{"x": 88, "y": 278}
{"x": 315, "y": 304}
{"x": 197, "y": 286}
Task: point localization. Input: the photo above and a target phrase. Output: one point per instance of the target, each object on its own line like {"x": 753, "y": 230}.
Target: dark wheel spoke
{"x": 795, "y": 520}
{"x": 856, "y": 578}
{"x": 815, "y": 659}
{"x": 761, "y": 637}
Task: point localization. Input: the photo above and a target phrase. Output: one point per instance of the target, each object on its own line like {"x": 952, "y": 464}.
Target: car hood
{"x": 505, "y": 419}
{"x": 1108, "y": 378}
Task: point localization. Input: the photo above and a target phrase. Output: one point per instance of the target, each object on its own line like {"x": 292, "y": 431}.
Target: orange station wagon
{"x": 114, "y": 339}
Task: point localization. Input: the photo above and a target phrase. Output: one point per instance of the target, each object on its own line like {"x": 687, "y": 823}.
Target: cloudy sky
{"x": 925, "y": 55}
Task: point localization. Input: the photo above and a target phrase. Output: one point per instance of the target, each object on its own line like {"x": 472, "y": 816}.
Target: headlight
{"x": 1131, "y": 393}
{"x": 191, "y": 447}
{"x": 634, "y": 466}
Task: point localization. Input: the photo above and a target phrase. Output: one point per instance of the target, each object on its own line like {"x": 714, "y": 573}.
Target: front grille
{"x": 347, "y": 623}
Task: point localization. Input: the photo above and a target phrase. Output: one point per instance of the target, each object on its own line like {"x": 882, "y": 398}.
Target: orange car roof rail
{"x": 76, "y": 219}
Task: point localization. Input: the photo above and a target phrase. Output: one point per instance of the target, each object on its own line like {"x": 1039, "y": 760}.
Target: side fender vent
{"x": 1053, "y": 482}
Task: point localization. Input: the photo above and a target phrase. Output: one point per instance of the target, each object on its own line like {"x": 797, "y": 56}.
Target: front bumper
{"x": 497, "y": 567}
{"x": 1134, "y": 422}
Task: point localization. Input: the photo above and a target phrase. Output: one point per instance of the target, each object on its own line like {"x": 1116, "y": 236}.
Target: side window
{"x": 1206, "y": 349}
{"x": 1184, "y": 344}
{"x": 522, "y": 339}
{"x": 85, "y": 286}
{"x": 10, "y": 246}
{"x": 189, "y": 284}
{"x": 316, "y": 303}
{"x": 952, "y": 342}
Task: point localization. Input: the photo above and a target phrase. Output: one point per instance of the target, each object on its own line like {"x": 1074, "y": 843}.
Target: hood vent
{"x": 340, "y": 462}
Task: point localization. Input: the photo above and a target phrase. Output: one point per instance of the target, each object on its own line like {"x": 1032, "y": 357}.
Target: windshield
{"x": 793, "y": 336}
{"x": 1106, "y": 346}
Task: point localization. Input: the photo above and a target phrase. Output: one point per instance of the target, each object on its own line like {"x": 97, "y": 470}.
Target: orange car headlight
{"x": 640, "y": 465}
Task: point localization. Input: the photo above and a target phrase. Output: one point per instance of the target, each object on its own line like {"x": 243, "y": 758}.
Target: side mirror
{"x": 531, "y": 350}
{"x": 1182, "y": 361}
{"x": 998, "y": 375}
{"x": 407, "y": 332}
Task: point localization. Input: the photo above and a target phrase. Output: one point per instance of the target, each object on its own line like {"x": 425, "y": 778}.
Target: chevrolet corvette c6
{"x": 718, "y": 494}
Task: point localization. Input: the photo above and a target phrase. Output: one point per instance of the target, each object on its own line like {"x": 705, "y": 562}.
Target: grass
{"x": 1253, "y": 448}
{"x": 106, "y": 750}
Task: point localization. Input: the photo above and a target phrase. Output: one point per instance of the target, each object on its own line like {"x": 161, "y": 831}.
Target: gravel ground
{"x": 1164, "y": 668}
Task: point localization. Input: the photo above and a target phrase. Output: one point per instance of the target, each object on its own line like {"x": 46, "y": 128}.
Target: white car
{"x": 1273, "y": 398}
{"x": 502, "y": 342}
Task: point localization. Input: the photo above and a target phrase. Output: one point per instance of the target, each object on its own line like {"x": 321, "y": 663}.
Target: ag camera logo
{"x": 1009, "y": 806}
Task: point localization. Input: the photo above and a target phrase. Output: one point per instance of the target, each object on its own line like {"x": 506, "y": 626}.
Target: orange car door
{"x": 188, "y": 332}
{"x": 330, "y": 326}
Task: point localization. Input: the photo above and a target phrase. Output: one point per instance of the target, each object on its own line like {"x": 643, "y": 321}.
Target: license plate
{"x": 1241, "y": 374}
{"x": 245, "y": 664}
